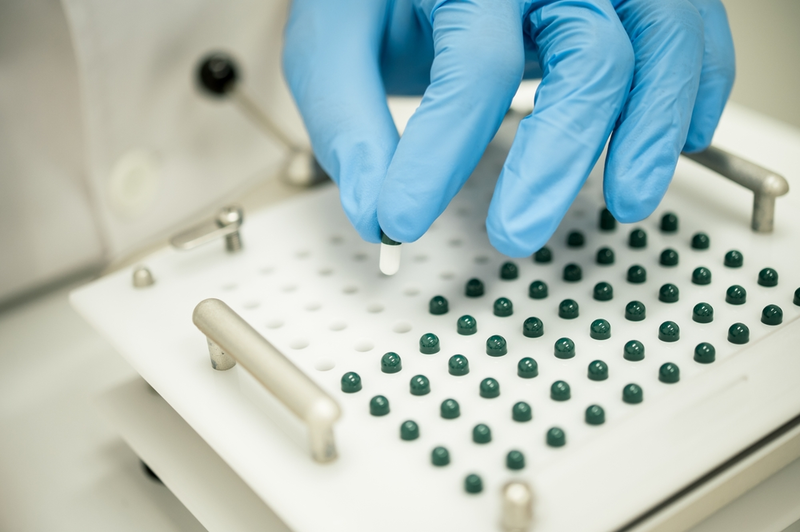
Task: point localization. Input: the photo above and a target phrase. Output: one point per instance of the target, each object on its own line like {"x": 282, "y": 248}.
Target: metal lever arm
{"x": 292, "y": 387}
{"x": 765, "y": 184}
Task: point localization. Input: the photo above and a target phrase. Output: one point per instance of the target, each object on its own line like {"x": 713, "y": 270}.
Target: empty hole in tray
{"x": 462, "y": 211}
{"x": 363, "y": 345}
{"x": 455, "y": 243}
{"x": 336, "y": 239}
{"x": 298, "y": 343}
{"x": 360, "y": 257}
{"x": 230, "y": 286}
{"x": 325, "y": 271}
{"x": 324, "y": 364}
{"x": 420, "y": 258}
{"x": 481, "y": 259}
{"x": 447, "y": 275}
{"x": 288, "y": 288}
{"x": 401, "y": 327}
{"x": 275, "y": 323}
{"x": 302, "y": 254}
{"x": 251, "y": 304}
{"x": 411, "y": 291}
{"x": 337, "y": 326}
{"x": 266, "y": 270}
{"x": 350, "y": 289}
{"x": 375, "y": 308}
{"x": 312, "y": 306}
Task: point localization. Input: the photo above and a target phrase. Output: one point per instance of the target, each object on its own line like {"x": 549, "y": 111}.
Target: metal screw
{"x": 142, "y": 277}
{"x": 232, "y": 214}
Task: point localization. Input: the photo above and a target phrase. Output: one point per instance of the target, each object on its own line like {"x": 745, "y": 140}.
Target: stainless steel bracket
{"x": 227, "y": 331}
{"x": 226, "y": 225}
{"x": 765, "y": 184}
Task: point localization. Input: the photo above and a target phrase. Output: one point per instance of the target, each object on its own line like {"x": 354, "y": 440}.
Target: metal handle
{"x": 223, "y": 327}
{"x": 226, "y": 224}
{"x": 765, "y": 184}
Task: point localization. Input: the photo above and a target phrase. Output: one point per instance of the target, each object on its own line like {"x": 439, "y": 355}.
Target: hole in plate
{"x": 375, "y": 308}
{"x": 230, "y": 286}
{"x": 350, "y": 289}
{"x": 275, "y": 323}
{"x": 360, "y": 257}
{"x": 302, "y": 254}
{"x": 266, "y": 270}
{"x": 288, "y": 288}
{"x": 455, "y": 243}
{"x": 298, "y": 343}
{"x": 337, "y": 326}
{"x": 251, "y": 304}
{"x": 482, "y": 259}
{"x": 401, "y": 327}
{"x": 447, "y": 275}
{"x": 462, "y": 211}
{"x": 312, "y": 306}
{"x": 325, "y": 272}
{"x": 411, "y": 291}
{"x": 363, "y": 345}
{"x": 420, "y": 258}
{"x": 336, "y": 239}
{"x": 324, "y": 364}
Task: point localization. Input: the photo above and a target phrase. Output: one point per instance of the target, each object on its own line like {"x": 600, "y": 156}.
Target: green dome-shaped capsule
{"x": 637, "y": 239}
{"x": 600, "y": 330}
{"x": 607, "y": 221}
{"x": 489, "y": 388}
{"x": 438, "y": 305}
{"x": 466, "y": 325}
{"x": 503, "y": 307}
{"x": 637, "y": 274}
{"x": 473, "y": 484}
{"x": 768, "y": 277}
{"x": 559, "y": 391}
{"x": 515, "y": 460}
{"x": 701, "y": 276}
{"x": 738, "y": 333}
{"x": 409, "y": 430}
{"x": 669, "y": 373}
{"x": 669, "y": 223}
{"x": 668, "y": 293}
{"x": 496, "y": 346}
{"x": 556, "y": 437}
{"x": 474, "y": 288}
{"x": 533, "y": 327}
{"x": 701, "y": 241}
{"x": 635, "y": 311}
{"x": 521, "y": 412}
{"x": 705, "y": 353}
{"x": 734, "y": 259}
{"x": 572, "y": 273}
{"x": 633, "y": 351}
{"x": 428, "y": 344}
{"x": 379, "y": 406}
{"x": 598, "y": 370}
{"x": 509, "y": 271}
{"x": 527, "y": 368}
{"x": 603, "y": 291}
{"x": 736, "y": 295}
{"x": 796, "y": 299}
{"x": 575, "y": 239}
{"x": 481, "y": 433}
{"x": 440, "y": 456}
{"x": 419, "y": 385}
{"x": 351, "y": 382}
{"x": 537, "y": 290}
{"x": 605, "y": 256}
{"x": 391, "y": 363}
{"x": 595, "y": 415}
{"x": 703, "y": 313}
{"x": 564, "y": 348}
{"x": 669, "y": 332}
{"x": 772, "y": 315}
{"x": 568, "y": 309}
{"x": 450, "y": 409}
{"x": 458, "y": 365}
{"x": 543, "y": 256}
{"x": 632, "y": 394}
{"x": 669, "y": 257}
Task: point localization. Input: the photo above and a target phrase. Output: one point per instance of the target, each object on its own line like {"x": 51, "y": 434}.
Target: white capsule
{"x": 390, "y": 258}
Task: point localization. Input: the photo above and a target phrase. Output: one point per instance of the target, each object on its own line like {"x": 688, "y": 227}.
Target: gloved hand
{"x": 654, "y": 75}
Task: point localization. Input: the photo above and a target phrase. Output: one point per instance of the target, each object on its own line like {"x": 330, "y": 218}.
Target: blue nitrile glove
{"x": 654, "y": 75}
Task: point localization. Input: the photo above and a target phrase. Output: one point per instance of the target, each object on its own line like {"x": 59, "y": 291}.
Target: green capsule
{"x": 503, "y": 307}
{"x": 543, "y": 256}
{"x": 705, "y": 353}
{"x": 419, "y": 385}
{"x": 772, "y": 315}
{"x": 768, "y": 277}
{"x": 509, "y": 271}
{"x": 556, "y": 437}
{"x": 489, "y": 388}
{"x": 632, "y": 394}
{"x": 379, "y": 406}
{"x": 736, "y": 295}
{"x": 575, "y": 239}
{"x": 473, "y": 484}
{"x": 607, "y": 221}
{"x": 669, "y": 373}
{"x": 572, "y": 273}
{"x": 391, "y": 363}
{"x": 351, "y": 382}
{"x": 438, "y": 305}
{"x": 796, "y": 299}
{"x": 466, "y": 325}
{"x": 564, "y": 348}
{"x": 450, "y": 409}
{"x": 409, "y": 430}
{"x": 734, "y": 259}
{"x": 605, "y": 256}
{"x": 527, "y": 368}
{"x": 521, "y": 412}
{"x": 537, "y": 290}
{"x": 440, "y": 456}
{"x": 481, "y": 433}
{"x": 388, "y": 241}
{"x": 669, "y": 332}
{"x": 701, "y": 241}
{"x": 637, "y": 239}
{"x": 559, "y": 391}
{"x": 669, "y": 223}
{"x": 637, "y": 274}
{"x": 568, "y": 309}
{"x": 603, "y": 291}
{"x": 515, "y": 460}
{"x": 669, "y": 257}
{"x": 533, "y": 328}
{"x": 600, "y": 330}
{"x": 701, "y": 276}
{"x": 703, "y": 313}
{"x": 496, "y": 346}
{"x": 738, "y": 333}
{"x": 598, "y": 370}
{"x": 635, "y": 311}
{"x": 428, "y": 344}
{"x": 474, "y": 288}
{"x": 458, "y": 365}
{"x": 633, "y": 351}
{"x": 668, "y": 293}
{"x": 595, "y": 415}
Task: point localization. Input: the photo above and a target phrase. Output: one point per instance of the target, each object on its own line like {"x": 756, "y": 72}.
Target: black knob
{"x": 217, "y": 73}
